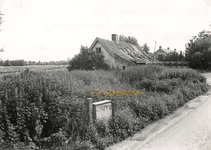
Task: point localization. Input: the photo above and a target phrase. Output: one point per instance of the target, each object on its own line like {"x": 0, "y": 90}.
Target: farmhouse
{"x": 120, "y": 54}
{"x": 161, "y": 53}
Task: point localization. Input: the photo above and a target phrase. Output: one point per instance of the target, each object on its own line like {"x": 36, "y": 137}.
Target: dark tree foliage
{"x": 198, "y": 51}
{"x": 173, "y": 56}
{"x": 87, "y": 60}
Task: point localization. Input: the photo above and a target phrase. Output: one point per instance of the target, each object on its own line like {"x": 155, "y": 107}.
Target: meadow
{"x": 46, "y": 109}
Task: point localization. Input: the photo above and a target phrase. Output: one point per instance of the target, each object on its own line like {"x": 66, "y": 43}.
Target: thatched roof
{"x": 126, "y": 51}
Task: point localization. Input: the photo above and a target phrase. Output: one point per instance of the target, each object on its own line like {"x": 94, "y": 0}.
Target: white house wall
{"x": 116, "y": 62}
{"x": 108, "y": 58}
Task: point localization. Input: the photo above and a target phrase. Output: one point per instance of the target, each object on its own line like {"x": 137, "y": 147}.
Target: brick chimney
{"x": 114, "y": 37}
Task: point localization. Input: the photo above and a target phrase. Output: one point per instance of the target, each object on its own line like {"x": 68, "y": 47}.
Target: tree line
{"x": 172, "y": 56}
{"x": 26, "y": 63}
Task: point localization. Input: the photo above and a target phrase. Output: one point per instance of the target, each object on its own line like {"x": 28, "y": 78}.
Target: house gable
{"x": 108, "y": 57}
{"x": 97, "y": 41}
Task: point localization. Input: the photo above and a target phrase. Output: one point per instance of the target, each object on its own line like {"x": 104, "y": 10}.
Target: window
{"x": 98, "y": 49}
{"x": 123, "y": 67}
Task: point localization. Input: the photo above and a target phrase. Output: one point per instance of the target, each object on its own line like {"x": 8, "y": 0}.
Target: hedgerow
{"x": 46, "y": 110}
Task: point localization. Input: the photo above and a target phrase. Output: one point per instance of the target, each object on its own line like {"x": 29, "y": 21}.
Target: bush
{"x": 124, "y": 124}
{"x": 31, "y": 108}
{"x": 86, "y": 145}
{"x": 87, "y": 60}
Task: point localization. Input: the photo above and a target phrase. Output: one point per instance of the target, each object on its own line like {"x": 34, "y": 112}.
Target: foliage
{"x": 125, "y": 123}
{"x": 61, "y": 62}
{"x": 198, "y": 51}
{"x": 129, "y": 39}
{"x": 172, "y": 56}
{"x": 30, "y": 108}
{"x": 12, "y": 63}
{"x": 46, "y": 109}
{"x": 146, "y": 48}
{"x": 25, "y": 63}
{"x": 87, "y": 60}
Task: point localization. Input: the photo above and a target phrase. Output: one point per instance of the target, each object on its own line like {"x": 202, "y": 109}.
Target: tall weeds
{"x": 46, "y": 109}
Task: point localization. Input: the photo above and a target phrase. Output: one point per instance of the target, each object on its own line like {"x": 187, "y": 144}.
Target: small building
{"x": 119, "y": 54}
{"x": 161, "y": 53}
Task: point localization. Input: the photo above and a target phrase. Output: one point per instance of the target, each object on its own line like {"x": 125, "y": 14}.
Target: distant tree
{"x": 146, "y": 48}
{"x": 1, "y": 62}
{"x": 174, "y": 56}
{"x": 198, "y": 51}
{"x": 87, "y": 60}
{"x": 181, "y": 57}
{"x": 7, "y": 63}
{"x": 129, "y": 39}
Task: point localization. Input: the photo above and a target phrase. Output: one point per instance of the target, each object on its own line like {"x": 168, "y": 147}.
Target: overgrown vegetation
{"x": 46, "y": 110}
{"x": 87, "y": 60}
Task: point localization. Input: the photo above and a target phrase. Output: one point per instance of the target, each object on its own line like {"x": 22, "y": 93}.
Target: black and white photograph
{"x": 105, "y": 74}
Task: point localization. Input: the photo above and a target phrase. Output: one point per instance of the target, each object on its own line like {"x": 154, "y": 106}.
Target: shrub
{"x": 31, "y": 107}
{"x": 87, "y": 60}
{"x": 123, "y": 124}
{"x": 85, "y": 144}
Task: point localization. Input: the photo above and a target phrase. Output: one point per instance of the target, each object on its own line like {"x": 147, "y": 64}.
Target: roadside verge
{"x": 153, "y": 130}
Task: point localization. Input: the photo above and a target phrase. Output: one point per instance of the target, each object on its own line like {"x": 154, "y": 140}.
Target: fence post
{"x": 89, "y": 110}
{"x": 113, "y": 108}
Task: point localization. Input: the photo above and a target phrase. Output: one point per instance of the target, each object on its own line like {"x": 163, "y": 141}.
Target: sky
{"x": 46, "y": 30}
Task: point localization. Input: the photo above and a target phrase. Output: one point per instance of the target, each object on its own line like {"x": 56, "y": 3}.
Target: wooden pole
{"x": 89, "y": 110}
{"x": 112, "y": 108}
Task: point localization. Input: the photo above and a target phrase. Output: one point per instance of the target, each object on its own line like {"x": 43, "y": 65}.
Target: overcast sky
{"x": 59, "y": 27}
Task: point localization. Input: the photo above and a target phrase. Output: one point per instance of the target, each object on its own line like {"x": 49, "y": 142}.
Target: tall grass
{"x": 58, "y": 99}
